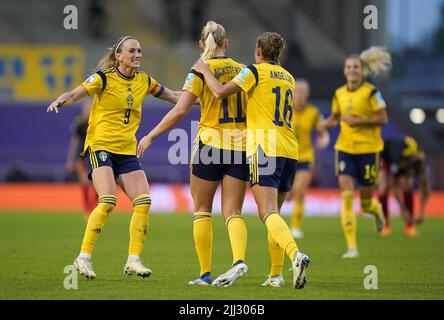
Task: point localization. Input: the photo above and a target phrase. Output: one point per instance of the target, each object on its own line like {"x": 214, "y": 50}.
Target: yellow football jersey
{"x": 363, "y": 102}
{"x": 304, "y": 122}
{"x": 222, "y": 121}
{"x": 270, "y": 90}
{"x": 116, "y": 109}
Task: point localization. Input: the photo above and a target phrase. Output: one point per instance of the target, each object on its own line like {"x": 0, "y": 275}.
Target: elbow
{"x": 180, "y": 113}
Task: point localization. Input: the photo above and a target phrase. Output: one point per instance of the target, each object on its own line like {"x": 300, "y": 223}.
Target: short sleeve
{"x": 376, "y": 100}
{"x": 194, "y": 83}
{"x": 335, "y": 109}
{"x": 247, "y": 78}
{"x": 93, "y": 84}
{"x": 154, "y": 88}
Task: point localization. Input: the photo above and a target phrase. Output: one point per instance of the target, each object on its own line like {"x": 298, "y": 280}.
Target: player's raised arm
{"x": 173, "y": 117}
{"x": 67, "y": 98}
{"x": 218, "y": 89}
{"x": 170, "y": 95}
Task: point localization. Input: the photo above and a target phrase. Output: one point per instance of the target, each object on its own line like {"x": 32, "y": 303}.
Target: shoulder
{"x": 341, "y": 90}
{"x": 193, "y": 73}
{"x": 107, "y": 70}
{"x": 312, "y": 108}
{"x": 370, "y": 88}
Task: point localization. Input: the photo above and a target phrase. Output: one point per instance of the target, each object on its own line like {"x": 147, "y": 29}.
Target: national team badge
{"x": 341, "y": 166}
{"x": 129, "y": 100}
{"x": 91, "y": 78}
{"x": 103, "y": 156}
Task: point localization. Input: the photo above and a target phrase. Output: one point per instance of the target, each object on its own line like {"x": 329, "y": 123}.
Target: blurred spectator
{"x": 401, "y": 162}
{"x": 17, "y": 174}
{"x": 97, "y": 18}
{"x": 172, "y": 13}
{"x": 198, "y": 10}
{"x": 75, "y": 163}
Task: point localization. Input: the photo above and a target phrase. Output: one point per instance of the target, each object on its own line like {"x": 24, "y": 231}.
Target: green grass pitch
{"x": 35, "y": 248}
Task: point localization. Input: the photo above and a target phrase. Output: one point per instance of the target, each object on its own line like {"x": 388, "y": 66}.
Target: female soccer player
{"x": 271, "y": 145}
{"x": 219, "y": 156}
{"x": 306, "y": 119}
{"x": 360, "y": 108}
{"x": 110, "y": 147}
{"x": 401, "y": 162}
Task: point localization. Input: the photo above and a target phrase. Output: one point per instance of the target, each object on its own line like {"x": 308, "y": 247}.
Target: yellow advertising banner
{"x": 39, "y": 73}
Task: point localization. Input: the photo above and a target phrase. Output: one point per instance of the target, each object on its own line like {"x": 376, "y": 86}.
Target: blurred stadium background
{"x": 40, "y": 59}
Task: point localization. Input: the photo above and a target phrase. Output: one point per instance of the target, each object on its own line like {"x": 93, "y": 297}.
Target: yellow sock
{"x": 348, "y": 219}
{"x": 276, "y": 256}
{"x": 96, "y": 222}
{"x": 279, "y": 231}
{"x": 139, "y": 224}
{"x": 203, "y": 240}
{"x": 237, "y": 232}
{"x": 298, "y": 211}
{"x": 372, "y": 206}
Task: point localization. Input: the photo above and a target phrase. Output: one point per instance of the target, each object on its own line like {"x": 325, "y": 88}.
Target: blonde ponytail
{"x": 213, "y": 36}
{"x": 375, "y": 60}
{"x": 108, "y": 60}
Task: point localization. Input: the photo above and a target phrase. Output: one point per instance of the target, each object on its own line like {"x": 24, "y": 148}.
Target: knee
{"x": 231, "y": 213}
{"x": 234, "y": 215}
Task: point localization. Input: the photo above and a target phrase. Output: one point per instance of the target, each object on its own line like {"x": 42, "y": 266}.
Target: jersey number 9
{"x": 127, "y": 116}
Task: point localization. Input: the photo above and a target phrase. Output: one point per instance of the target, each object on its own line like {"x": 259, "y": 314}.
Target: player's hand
{"x": 200, "y": 66}
{"x": 351, "y": 120}
{"x": 143, "y": 145}
{"x": 55, "y": 105}
{"x": 322, "y": 142}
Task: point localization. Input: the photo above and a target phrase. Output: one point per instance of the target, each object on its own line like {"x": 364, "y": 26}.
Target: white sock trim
{"x": 133, "y": 257}
{"x": 85, "y": 255}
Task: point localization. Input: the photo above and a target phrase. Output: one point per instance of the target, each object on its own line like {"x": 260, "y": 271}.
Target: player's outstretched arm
{"x": 381, "y": 119}
{"x": 173, "y": 117}
{"x": 330, "y": 122}
{"x": 218, "y": 89}
{"x": 170, "y": 95}
{"x": 68, "y": 98}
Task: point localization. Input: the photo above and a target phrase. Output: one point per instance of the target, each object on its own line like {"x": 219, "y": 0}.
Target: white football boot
{"x": 351, "y": 253}
{"x": 84, "y": 267}
{"x": 274, "y": 281}
{"x": 203, "y": 280}
{"x": 300, "y": 264}
{"x": 136, "y": 267}
{"x": 227, "y": 279}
